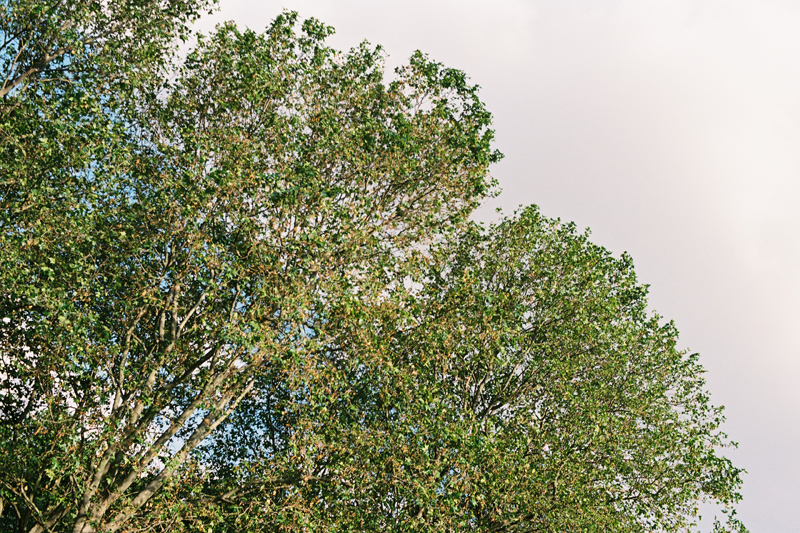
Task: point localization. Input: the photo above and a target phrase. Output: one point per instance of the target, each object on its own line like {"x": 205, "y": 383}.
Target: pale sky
{"x": 671, "y": 129}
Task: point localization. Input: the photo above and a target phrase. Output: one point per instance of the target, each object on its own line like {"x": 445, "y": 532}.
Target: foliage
{"x": 241, "y": 293}
{"x": 519, "y": 385}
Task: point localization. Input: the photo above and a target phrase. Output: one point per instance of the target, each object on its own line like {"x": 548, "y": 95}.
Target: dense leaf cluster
{"x": 240, "y": 292}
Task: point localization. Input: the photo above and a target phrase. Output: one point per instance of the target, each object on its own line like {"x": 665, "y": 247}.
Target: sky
{"x": 671, "y": 129}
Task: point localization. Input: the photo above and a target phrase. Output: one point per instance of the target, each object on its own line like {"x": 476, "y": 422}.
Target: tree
{"x": 241, "y": 292}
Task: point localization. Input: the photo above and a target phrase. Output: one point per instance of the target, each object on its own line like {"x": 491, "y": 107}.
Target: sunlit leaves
{"x": 241, "y": 293}
{"x": 524, "y": 386}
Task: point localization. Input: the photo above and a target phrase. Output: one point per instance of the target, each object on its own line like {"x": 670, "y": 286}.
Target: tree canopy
{"x": 240, "y": 291}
